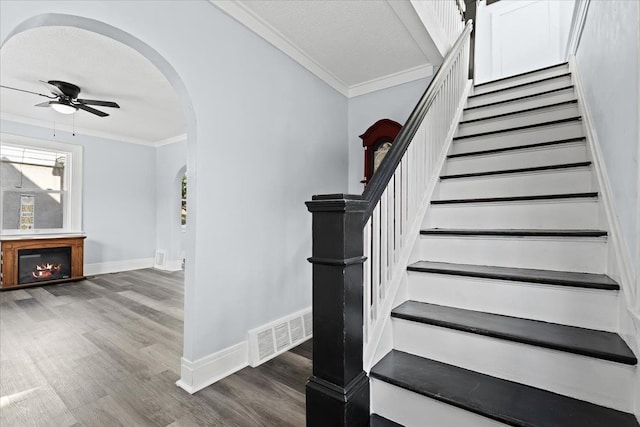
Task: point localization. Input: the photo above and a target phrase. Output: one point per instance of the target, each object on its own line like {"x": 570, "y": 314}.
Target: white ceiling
{"x": 104, "y": 69}
{"x": 356, "y": 46}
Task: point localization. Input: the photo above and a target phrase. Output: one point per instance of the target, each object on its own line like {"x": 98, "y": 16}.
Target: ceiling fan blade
{"x": 53, "y": 89}
{"x": 28, "y": 91}
{"x": 43, "y": 104}
{"x": 98, "y": 103}
{"x": 89, "y": 109}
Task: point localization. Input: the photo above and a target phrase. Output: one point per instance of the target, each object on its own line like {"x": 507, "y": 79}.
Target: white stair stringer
{"x": 414, "y": 410}
{"x": 552, "y": 132}
{"x": 569, "y": 152}
{"x": 571, "y": 180}
{"x": 567, "y": 305}
{"x": 586, "y": 378}
{"x": 523, "y": 118}
{"x": 578, "y": 254}
{"x": 579, "y": 213}
{"x": 519, "y": 79}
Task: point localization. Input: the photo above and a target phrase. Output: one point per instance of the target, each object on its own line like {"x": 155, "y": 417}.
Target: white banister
{"x": 391, "y": 229}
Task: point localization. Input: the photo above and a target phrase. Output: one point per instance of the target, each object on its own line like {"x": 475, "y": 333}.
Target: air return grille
{"x": 275, "y": 338}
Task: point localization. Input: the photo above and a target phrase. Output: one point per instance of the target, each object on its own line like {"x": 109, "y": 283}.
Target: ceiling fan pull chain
{"x": 54, "y": 128}
{"x": 74, "y": 125}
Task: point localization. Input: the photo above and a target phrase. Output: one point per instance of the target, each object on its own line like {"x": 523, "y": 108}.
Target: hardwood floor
{"x": 106, "y": 352}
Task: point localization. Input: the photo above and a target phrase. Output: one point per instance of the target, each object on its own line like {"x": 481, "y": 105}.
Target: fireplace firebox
{"x": 41, "y": 265}
{"x": 40, "y": 260}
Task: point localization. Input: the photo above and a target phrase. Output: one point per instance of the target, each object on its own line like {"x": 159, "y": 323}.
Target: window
{"x": 39, "y": 186}
{"x": 183, "y": 213}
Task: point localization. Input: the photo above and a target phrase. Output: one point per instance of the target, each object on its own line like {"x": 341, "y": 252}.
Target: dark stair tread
{"x": 513, "y": 232}
{"x": 521, "y": 74}
{"x": 505, "y": 401}
{"x": 517, "y": 128}
{"x": 517, "y": 147}
{"x": 559, "y": 76}
{"x": 572, "y": 339}
{"x": 519, "y": 98}
{"x": 530, "y": 275}
{"x": 518, "y": 170}
{"x": 378, "y": 421}
{"x": 517, "y": 198}
{"x": 511, "y": 113}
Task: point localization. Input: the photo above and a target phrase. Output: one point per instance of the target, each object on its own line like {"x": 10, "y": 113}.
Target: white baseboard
{"x": 205, "y": 371}
{"x": 116, "y": 266}
{"x": 174, "y": 265}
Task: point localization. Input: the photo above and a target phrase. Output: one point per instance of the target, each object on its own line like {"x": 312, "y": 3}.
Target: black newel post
{"x": 338, "y": 390}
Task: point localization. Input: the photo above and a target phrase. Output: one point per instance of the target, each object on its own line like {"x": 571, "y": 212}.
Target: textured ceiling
{"x": 356, "y": 40}
{"x": 104, "y": 69}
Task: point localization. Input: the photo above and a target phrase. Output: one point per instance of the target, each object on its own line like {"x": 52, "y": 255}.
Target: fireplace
{"x": 41, "y": 265}
{"x": 40, "y": 260}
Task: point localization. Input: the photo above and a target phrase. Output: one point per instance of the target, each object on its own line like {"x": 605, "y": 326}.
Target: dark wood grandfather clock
{"x": 376, "y": 142}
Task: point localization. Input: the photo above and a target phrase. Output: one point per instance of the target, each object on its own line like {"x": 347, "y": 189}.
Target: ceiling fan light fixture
{"x": 63, "y": 108}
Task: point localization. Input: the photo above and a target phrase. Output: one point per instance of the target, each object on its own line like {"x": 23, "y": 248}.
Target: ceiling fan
{"x": 65, "y": 98}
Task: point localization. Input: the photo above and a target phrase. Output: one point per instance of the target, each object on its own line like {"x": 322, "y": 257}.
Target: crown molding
{"x": 415, "y": 73}
{"x": 249, "y": 19}
{"x": 177, "y": 138}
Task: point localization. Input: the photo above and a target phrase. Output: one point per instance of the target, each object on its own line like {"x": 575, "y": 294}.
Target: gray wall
{"x": 264, "y": 134}
{"x": 607, "y": 59}
{"x": 395, "y": 103}
{"x": 118, "y": 194}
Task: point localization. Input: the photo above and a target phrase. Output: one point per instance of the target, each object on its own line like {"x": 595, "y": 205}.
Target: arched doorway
{"x": 152, "y": 55}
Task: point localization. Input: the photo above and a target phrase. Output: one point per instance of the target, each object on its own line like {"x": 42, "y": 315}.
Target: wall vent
{"x": 160, "y": 260}
{"x": 272, "y": 339}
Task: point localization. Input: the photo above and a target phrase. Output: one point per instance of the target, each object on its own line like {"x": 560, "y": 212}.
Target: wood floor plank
{"x": 106, "y": 352}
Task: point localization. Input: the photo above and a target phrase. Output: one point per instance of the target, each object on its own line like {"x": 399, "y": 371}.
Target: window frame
{"x": 72, "y": 200}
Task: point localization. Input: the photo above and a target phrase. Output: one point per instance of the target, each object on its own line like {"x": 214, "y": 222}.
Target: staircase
{"x": 509, "y": 319}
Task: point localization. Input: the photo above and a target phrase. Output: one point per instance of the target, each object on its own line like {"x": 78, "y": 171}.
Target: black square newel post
{"x": 338, "y": 390}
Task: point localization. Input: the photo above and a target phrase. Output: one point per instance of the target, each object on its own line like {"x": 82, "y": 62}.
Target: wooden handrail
{"x": 381, "y": 178}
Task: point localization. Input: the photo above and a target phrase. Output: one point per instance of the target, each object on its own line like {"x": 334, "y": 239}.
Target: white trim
{"x": 207, "y": 370}
{"x": 616, "y": 237}
{"x": 171, "y": 265}
{"x": 376, "y": 347}
{"x": 415, "y": 73}
{"x": 177, "y": 138}
{"x": 249, "y": 19}
{"x": 47, "y": 124}
{"x": 577, "y": 25}
{"x": 116, "y": 266}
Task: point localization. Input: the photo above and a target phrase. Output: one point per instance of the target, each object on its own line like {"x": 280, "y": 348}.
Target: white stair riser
{"x": 586, "y": 308}
{"x": 586, "y": 255}
{"x": 556, "y": 154}
{"x": 522, "y": 104}
{"x": 531, "y": 77}
{"x": 586, "y": 378}
{"x": 414, "y": 410}
{"x": 575, "y": 180}
{"x": 517, "y": 120}
{"x": 528, "y": 136}
{"x": 518, "y": 92}
{"x": 551, "y": 214}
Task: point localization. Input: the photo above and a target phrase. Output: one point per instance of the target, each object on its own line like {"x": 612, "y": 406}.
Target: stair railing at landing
{"x": 362, "y": 244}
